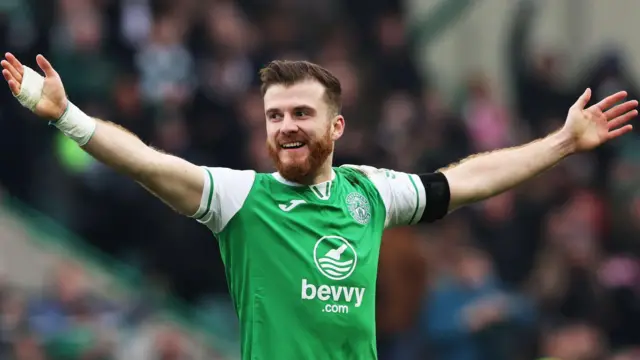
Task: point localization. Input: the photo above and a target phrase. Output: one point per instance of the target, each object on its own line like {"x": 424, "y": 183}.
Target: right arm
{"x": 177, "y": 182}
{"x": 210, "y": 195}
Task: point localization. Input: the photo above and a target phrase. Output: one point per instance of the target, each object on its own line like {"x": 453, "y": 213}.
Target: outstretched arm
{"x": 484, "y": 175}
{"x": 177, "y": 182}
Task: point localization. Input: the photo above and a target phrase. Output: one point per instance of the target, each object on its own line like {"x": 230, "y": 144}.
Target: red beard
{"x": 319, "y": 151}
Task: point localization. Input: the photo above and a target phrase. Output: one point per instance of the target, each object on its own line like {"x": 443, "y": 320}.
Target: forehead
{"x": 306, "y": 93}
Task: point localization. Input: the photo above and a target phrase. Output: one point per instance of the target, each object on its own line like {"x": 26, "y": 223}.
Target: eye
{"x": 301, "y": 113}
{"x": 274, "y": 116}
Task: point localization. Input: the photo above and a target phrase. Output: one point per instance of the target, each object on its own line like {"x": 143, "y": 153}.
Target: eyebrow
{"x": 299, "y": 107}
{"x": 304, "y": 107}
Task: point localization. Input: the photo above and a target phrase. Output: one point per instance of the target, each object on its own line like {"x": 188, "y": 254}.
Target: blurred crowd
{"x": 550, "y": 268}
{"x": 68, "y": 320}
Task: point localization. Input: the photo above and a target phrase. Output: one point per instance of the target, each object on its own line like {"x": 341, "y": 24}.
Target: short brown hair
{"x": 285, "y": 72}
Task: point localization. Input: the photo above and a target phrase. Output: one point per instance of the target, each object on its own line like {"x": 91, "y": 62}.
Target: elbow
{"x": 181, "y": 205}
{"x": 142, "y": 166}
{"x": 151, "y": 165}
{"x": 166, "y": 178}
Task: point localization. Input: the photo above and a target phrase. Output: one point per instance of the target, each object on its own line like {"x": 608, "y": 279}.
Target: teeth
{"x": 292, "y": 145}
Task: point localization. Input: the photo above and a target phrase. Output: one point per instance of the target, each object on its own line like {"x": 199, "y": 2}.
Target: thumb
{"x": 583, "y": 100}
{"x": 45, "y": 65}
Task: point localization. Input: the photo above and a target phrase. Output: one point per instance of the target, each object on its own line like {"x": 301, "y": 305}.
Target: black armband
{"x": 436, "y": 187}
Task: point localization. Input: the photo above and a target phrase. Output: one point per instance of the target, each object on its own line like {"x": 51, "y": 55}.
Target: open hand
{"x": 588, "y": 128}
{"x": 53, "y": 101}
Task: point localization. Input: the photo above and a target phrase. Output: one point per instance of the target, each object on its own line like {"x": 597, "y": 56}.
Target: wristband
{"x": 76, "y": 125}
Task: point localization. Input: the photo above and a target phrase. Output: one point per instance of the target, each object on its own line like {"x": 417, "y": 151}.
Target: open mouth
{"x": 292, "y": 145}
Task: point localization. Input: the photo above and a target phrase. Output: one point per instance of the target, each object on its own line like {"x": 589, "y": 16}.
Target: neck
{"x": 321, "y": 174}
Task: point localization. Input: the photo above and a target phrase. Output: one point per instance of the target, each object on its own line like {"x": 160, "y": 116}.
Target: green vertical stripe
{"x": 316, "y": 191}
{"x": 206, "y": 211}
{"x": 415, "y": 188}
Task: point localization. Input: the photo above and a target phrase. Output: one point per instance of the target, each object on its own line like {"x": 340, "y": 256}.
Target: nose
{"x": 288, "y": 124}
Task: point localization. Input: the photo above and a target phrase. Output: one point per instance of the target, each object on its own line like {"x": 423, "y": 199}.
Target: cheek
{"x": 271, "y": 134}
{"x": 319, "y": 132}
{"x": 271, "y": 139}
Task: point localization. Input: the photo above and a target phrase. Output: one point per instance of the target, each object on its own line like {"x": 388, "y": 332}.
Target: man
{"x": 301, "y": 245}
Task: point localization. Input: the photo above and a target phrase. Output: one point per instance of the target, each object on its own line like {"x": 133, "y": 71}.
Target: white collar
{"x": 282, "y": 180}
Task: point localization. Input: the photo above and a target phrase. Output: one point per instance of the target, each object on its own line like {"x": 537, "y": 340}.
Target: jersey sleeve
{"x": 225, "y": 191}
{"x": 409, "y": 198}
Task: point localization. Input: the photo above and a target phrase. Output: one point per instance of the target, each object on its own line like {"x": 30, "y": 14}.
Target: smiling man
{"x": 301, "y": 245}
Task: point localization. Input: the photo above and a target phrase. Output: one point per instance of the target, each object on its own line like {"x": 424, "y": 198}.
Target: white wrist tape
{"x": 75, "y": 124}
{"x": 31, "y": 88}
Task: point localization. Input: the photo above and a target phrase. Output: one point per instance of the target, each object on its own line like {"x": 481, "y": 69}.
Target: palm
{"x": 593, "y": 126}
{"x": 53, "y": 99}
{"x": 590, "y": 128}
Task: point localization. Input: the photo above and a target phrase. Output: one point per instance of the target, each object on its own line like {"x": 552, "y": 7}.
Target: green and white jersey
{"x": 301, "y": 261}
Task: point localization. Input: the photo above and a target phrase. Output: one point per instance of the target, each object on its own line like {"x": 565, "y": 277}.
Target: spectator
{"x": 71, "y": 321}
{"x": 469, "y": 315}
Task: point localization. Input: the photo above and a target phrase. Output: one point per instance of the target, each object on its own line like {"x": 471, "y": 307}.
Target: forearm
{"x": 484, "y": 175}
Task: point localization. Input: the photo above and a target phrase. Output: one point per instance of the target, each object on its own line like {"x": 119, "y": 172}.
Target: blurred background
{"x": 94, "y": 268}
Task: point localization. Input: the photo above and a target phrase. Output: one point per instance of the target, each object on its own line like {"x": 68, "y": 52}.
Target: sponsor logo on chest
{"x": 336, "y": 259}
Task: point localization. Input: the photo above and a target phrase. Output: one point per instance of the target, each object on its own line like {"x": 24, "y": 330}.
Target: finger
{"x": 619, "y": 132}
{"x": 610, "y": 100}
{"x": 13, "y": 84}
{"x": 8, "y": 66}
{"x": 620, "y": 109}
{"x": 583, "y": 100}
{"x": 15, "y": 62}
{"x": 46, "y": 67}
{"x": 7, "y": 74}
{"x": 622, "y": 119}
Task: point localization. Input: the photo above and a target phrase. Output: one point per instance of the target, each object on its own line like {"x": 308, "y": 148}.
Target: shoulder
{"x": 229, "y": 175}
{"x": 359, "y": 175}
{"x": 363, "y": 181}
{"x": 381, "y": 178}
{"x": 373, "y": 173}
{"x": 362, "y": 170}
{"x": 225, "y": 180}
{"x": 402, "y": 193}
{"x": 224, "y": 194}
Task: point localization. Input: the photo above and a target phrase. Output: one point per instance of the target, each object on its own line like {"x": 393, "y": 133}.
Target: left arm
{"x": 411, "y": 199}
{"x": 482, "y": 176}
